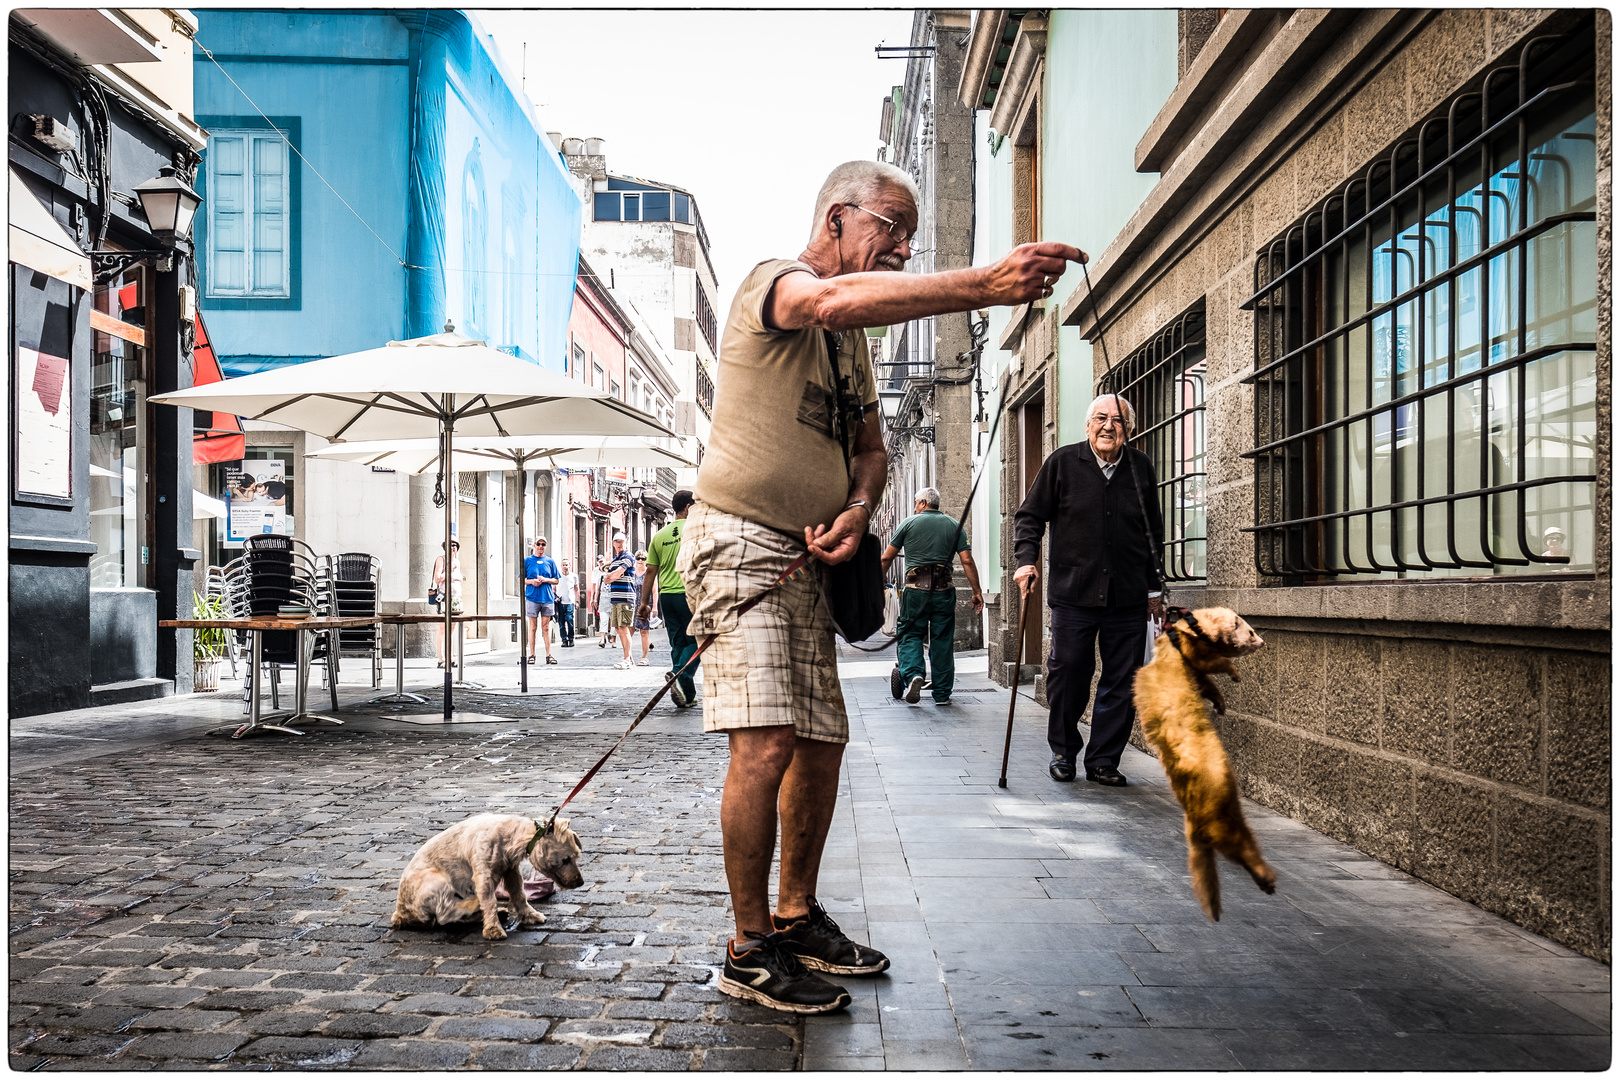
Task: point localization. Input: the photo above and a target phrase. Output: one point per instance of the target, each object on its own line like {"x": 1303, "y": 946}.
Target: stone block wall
{"x": 1457, "y": 730}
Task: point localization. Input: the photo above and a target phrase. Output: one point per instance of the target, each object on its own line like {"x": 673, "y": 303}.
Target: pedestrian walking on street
{"x": 451, "y": 596}
{"x": 662, "y": 554}
{"x": 796, "y": 463}
{"x": 928, "y": 601}
{"x": 1102, "y": 500}
{"x": 540, "y": 578}
{"x": 600, "y": 610}
{"x": 567, "y": 600}
{"x": 619, "y": 578}
{"x": 643, "y": 623}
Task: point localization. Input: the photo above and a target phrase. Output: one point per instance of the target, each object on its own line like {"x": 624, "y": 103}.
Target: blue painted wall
{"x": 458, "y": 208}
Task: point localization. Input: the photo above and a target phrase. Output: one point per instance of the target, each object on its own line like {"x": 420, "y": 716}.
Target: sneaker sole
{"x": 740, "y": 990}
{"x": 842, "y": 969}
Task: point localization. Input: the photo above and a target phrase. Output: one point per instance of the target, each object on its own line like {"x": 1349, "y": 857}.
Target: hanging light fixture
{"x": 169, "y": 204}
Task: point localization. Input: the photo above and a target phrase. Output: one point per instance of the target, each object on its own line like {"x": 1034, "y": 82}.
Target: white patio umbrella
{"x": 514, "y": 453}
{"x": 429, "y": 387}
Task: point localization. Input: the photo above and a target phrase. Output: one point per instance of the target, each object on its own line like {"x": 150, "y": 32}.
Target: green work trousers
{"x": 931, "y": 615}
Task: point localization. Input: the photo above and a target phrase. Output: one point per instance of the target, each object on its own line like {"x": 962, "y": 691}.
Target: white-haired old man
{"x": 1102, "y": 501}
{"x": 796, "y": 462}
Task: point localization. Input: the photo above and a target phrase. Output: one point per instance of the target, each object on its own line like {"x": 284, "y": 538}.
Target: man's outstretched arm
{"x": 886, "y": 298}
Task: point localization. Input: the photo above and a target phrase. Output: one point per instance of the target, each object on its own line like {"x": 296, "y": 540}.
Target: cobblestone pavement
{"x": 184, "y": 901}
{"x": 209, "y": 901}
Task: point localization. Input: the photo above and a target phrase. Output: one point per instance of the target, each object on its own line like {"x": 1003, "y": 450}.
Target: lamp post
{"x": 170, "y": 207}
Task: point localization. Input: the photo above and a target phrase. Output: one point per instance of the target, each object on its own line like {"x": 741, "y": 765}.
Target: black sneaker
{"x": 819, "y": 944}
{"x": 678, "y": 695}
{"x": 772, "y": 976}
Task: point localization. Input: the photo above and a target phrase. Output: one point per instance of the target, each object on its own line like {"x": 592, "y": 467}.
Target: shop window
{"x": 1425, "y": 347}
{"x": 119, "y": 487}
{"x": 1164, "y": 382}
{"x": 249, "y": 201}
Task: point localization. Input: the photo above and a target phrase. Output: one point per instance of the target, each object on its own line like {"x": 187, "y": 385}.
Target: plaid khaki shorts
{"x": 776, "y": 665}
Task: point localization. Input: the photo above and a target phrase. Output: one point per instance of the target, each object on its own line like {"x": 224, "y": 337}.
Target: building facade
{"x": 928, "y": 370}
{"x": 100, "y": 487}
{"x": 325, "y": 235}
{"x": 1058, "y": 106}
{"x": 1363, "y": 313}
{"x": 647, "y": 239}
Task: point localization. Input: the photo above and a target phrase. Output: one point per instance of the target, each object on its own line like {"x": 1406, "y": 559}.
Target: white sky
{"x": 748, "y": 110}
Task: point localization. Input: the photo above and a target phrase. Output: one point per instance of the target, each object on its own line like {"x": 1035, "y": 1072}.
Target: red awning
{"x": 222, "y": 439}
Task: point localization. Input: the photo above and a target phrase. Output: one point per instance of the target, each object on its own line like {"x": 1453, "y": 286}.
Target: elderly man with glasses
{"x": 1101, "y": 499}
{"x": 796, "y": 462}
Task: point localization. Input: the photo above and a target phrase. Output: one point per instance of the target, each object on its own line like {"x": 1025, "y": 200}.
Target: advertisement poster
{"x": 255, "y": 499}
{"x": 44, "y": 414}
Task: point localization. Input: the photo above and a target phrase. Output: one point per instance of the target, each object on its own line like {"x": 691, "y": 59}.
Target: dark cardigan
{"x": 1098, "y": 532}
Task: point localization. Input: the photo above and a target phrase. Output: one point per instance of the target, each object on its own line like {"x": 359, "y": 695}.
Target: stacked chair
{"x": 351, "y": 580}
{"x": 275, "y": 570}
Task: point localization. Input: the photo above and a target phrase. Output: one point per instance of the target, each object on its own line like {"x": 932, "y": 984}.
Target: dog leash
{"x": 795, "y": 569}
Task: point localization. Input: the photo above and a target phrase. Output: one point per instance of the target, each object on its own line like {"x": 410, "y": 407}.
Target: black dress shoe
{"x": 1105, "y": 776}
{"x": 1061, "y": 768}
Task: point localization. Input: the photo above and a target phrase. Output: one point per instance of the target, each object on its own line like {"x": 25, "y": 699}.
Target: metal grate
{"x": 1425, "y": 345}
{"x": 1164, "y": 382}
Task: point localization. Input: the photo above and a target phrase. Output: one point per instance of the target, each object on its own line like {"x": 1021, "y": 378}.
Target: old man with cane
{"x": 796, "y": 464}
{"x": 1101, "y": 499}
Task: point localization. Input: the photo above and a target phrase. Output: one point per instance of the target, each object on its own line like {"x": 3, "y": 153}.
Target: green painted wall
{"x": 1108, "y": 73}
{"x": 992, "y": 238}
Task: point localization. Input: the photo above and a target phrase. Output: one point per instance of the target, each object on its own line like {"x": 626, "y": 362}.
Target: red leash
{"x": 794, "y": 568}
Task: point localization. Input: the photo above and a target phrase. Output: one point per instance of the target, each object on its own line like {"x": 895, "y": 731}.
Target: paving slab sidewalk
{"x": 1053, "y": 926}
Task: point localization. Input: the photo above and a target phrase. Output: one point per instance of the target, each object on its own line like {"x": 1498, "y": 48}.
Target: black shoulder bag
{"x": 854, "y": 588}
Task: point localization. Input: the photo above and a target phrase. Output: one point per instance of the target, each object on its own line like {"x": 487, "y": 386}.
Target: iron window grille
{"x": 1164, "y": 381}
{"x": 1425, "y": 375}
{"x": 705, "y": 318}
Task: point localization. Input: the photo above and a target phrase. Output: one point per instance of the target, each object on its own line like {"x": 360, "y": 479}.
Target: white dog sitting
{"x": 455, "y": 874}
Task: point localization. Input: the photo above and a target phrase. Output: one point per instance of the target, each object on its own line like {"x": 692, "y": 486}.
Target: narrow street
{"x": 179, "y": 901}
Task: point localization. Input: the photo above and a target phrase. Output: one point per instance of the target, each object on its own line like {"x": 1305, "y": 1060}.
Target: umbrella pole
{"x": 523, "y": 580}
{"x": 450, "y": 492}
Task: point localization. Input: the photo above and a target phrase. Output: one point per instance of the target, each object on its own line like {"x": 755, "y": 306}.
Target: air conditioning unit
{"x": 55, "y": 134}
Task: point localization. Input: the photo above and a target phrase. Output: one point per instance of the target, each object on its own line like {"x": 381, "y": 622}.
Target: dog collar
{"x": 540, "y": 829}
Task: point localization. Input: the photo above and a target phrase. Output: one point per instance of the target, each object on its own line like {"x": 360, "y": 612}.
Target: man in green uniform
{"x": 672, "y": 606}
{"x": 928, "y": 601}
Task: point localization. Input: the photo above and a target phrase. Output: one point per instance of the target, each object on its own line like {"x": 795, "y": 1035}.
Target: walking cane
{"x": 1018, "y": 665}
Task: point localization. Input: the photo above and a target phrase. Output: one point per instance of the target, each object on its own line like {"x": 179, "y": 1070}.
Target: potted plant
{"x": 208, "y": 644}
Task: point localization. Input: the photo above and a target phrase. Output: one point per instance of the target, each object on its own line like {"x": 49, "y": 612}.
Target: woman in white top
{"x": 455, "y": 594}
{"x": 603, "y": 603}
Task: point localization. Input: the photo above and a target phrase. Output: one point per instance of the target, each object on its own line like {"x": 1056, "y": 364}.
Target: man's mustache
{"x": 893, "y": 262}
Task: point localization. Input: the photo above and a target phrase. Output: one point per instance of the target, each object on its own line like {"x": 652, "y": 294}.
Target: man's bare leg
{"x": 809, "y": 794}
{"x": 760, "y": 757}
{"x": 530, "y": 619}
{"x": 624, "y": 641}
{"x": 545, "y": 632}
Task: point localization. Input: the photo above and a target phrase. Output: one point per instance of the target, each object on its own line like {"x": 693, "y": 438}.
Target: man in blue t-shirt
{"x": 540, "y": 577}
{"x": 619, "y": 575}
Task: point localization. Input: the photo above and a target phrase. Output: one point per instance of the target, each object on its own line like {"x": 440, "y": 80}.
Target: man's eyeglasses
{"x": 897, "y": 232}
{"x": 1106, "y": 421}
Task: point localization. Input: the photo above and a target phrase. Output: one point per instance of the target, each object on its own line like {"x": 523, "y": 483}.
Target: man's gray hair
{"x": 1126, "y": 410}
{"x": 859, "y": 182}
{"x": 929, "y": 497}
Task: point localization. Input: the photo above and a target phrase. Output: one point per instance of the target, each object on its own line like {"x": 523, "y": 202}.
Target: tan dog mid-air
{"x": 1169, "y": 699}
{"x": 454, "y": 875}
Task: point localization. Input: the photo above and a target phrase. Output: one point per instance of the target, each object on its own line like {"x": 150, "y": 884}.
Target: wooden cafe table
{"x": 256, "y": 625}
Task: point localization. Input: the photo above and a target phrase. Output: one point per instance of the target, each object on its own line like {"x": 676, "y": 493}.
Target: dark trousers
{"x": 565, "y": 623}
{"x": 673, "y": 607}
{"x": 930, "y": 614}
{"x": 1076, "y": 632}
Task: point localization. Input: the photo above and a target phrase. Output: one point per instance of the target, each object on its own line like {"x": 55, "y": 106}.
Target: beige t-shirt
{"x": 772, "y": 457}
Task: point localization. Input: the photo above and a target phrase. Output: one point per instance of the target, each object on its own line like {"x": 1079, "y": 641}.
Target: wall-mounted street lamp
{"x": 170, "y": 207}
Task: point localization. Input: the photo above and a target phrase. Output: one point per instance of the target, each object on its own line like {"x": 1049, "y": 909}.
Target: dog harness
{"x": 1193, "y": 630}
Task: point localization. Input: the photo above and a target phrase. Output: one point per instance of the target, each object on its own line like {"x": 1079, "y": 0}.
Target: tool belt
{"x": 934, "y": 577}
